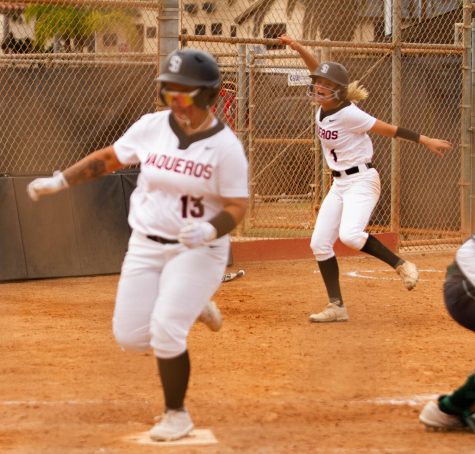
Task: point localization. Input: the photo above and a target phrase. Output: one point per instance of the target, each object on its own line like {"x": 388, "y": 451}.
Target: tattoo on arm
{"x": 86, "y": 170}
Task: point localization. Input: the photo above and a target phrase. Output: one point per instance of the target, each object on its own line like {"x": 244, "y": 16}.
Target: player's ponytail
{"x": 356, "y": 92}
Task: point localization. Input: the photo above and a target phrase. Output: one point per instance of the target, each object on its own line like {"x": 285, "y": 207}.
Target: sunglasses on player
{"x": 180, "y": 98}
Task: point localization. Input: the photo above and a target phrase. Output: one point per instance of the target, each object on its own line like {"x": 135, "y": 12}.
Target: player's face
{"x": 180, "y": 100}
{"x": 324, "y": 91}
{"x": 178, "y": 95}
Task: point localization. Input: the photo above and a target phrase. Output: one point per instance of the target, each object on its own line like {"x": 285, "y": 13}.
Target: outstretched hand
{"x": 44, "y": 186}
{"x": 287, "y": 40}
{"x": 437, "y": 146}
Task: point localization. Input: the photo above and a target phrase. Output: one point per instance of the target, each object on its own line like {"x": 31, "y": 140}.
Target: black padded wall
{"x": 47, "y": 229}
{"x": 78, "y": 232}
{"x": 100, "y": 224}
{"x": 12, "y": 257}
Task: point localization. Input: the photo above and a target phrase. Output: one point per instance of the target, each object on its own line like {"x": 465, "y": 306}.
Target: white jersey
{"x": 344, "y": 138}
{"x": 465, "y": 258}
{"x": 182, "y": 178}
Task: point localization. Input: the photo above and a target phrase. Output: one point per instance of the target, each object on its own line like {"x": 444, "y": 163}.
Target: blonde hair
{"x": 356, "y": 92}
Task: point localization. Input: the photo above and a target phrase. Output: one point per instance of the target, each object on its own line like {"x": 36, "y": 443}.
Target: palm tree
{"x": 332, "y": 19}
{"x": 77, "y": 25}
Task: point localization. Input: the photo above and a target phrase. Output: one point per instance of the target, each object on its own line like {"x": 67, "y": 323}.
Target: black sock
{"x": 377, "y": 249}
{"x": 331, "y": 278}
{"x": 461, "y": 399}
{"x": 174, "y": 374}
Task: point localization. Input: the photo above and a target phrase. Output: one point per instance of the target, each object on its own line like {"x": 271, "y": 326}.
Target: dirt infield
{"x": 268, "y": 382}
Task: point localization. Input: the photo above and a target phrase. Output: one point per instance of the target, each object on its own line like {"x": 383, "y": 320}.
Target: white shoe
{"x": 409, "y": 274}
{"x": 211, "y": 316}
{"x": 174, "y": 424}
{"x": 433, "y": 417}
{"x": 332, "y": 313}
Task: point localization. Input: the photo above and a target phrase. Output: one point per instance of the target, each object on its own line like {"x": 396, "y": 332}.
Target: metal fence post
{"x": 168, "y": 38}
{"x": 251, "y": 150}
{"x": 466, "y": 193}
{"x": 326, "y": 178}
{"x": 396, "y": 118}
{"x": 242, "y": 101}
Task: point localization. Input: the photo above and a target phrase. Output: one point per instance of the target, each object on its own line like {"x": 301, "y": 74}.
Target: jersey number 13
{"x": 192, "y": 206}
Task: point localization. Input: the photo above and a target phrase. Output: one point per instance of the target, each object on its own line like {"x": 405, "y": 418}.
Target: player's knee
{"x": 168, "y": 340}
{"x": 320, "y": 250}
{"x": 354, "y": 240}
{"x": 137, "y": 340}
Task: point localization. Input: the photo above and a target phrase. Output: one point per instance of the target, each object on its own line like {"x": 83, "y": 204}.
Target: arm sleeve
{"x": 233, "y": 172}
{"x": 359, "y": 122}
{"x": 127, "y": 147}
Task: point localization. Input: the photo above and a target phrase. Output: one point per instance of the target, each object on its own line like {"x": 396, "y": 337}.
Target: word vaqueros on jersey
{"x": 180, "y": 165}
{"x": 327, "y": 135}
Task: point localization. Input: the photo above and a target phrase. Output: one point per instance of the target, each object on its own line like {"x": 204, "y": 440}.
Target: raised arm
{"x": 310, "y": 60}
{"x": 98, "y": 163}
{"x": 436, "y": 146}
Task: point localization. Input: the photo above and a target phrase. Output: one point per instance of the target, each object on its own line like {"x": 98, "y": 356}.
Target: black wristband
{"x": 223, "y": 222}
{"x": 407, "y": 134}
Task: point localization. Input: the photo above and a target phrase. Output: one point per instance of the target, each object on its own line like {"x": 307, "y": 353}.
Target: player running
{"x": 191, "y": 192}
{"x": 345, "y": 212}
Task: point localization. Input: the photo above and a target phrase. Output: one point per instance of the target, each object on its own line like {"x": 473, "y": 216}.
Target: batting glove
{"x": 42, "y": 186}
{"x": 196, "y": 234}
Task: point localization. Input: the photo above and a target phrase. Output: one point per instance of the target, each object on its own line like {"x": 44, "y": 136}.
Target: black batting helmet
{"x": 335, "y": 72}
{"x": 192, "y": 68}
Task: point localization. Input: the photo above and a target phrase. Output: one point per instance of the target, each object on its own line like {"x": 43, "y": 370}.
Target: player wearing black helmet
{"x": 191, "y": 192}
{"x": 345, "y": 211}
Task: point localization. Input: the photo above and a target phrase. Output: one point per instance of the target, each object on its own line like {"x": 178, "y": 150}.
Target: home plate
{"x": 195, "y": 437}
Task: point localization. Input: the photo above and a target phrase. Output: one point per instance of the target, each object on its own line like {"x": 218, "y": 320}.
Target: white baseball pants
{"x": 162, "y": 290}
{"x": 345, "y": 213}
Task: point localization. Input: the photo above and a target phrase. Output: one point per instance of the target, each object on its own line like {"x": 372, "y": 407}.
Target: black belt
{"x": 351, "y": 170}
{"x": 161, "y": 240}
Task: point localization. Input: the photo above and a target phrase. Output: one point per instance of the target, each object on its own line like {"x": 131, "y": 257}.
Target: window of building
{"x": 217, "y": 29}
{"x": 151, "y": 32}
{"x": 191, "y": 8}
{"x": 209, "y": 7}
{"x": 233, "y": 31}
{"x": 273, "y": 31}
{"x": 200, "y": 29}
{"x": 110, "y": 39}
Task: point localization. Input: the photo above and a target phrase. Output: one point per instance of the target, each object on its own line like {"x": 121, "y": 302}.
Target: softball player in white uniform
{"x": 345, "y": 212}
{"x": 456, "y": 411}
{"x": 191, "y": 192}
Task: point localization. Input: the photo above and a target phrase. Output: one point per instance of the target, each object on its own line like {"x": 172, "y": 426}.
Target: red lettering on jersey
{"x": 160, "y": 162}
{"x": 188, "y": 170}
{"x": 169, "y": 163}
{"x": 208, "y": 171}
{"x": 150, "y": 161}
{"x": 178, "y": 165}
{"x": 327, "y": 134}
{"x": 198, "y": 170}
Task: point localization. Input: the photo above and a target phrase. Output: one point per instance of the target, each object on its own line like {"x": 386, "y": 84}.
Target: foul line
{"x": 360, "y": 275}
{"x": 404, "y": 400}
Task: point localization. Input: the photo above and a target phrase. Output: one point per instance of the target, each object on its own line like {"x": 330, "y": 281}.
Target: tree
{"x": 75, "y": 25}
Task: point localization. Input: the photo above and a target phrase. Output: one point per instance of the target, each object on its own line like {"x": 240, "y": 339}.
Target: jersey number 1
{"x": 192, "y": 206}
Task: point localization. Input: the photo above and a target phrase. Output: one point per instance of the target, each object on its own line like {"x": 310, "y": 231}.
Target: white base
{"x": 195, "y": 437}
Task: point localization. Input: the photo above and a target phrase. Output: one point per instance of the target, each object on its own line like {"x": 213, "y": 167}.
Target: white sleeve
{"x": 465, "y": 258}
{"x": 233, "y": 169}
{"x": 126, "y": 148}
{"x": 358, "y": 121}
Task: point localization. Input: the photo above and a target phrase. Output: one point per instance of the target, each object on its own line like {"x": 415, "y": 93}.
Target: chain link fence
{"x": 75, "y": 75}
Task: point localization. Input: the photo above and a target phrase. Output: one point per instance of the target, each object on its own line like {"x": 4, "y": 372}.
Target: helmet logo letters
{"x": 324, "y": 69}
{"x": 175, "y": 63}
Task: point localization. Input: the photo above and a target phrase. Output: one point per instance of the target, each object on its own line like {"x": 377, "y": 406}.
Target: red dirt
{"x": 268, "y": 382}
